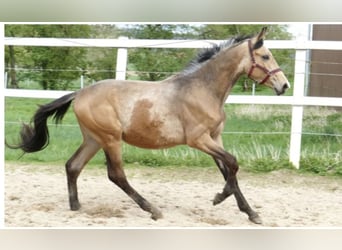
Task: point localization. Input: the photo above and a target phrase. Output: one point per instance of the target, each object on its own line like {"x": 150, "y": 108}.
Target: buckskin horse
{"x": 187, "y": 108}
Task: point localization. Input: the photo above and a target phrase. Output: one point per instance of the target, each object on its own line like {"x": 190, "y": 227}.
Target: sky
{"x": 300, "y": 30}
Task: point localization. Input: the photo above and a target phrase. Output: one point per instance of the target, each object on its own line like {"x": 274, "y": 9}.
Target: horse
{"x": 184, "y": 109}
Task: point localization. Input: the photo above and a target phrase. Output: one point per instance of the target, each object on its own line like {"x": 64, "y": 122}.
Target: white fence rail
{"x": 297, "y": 101}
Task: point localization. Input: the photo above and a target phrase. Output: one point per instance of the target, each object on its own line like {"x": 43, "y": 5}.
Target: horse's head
{"x": 262, "y": 67}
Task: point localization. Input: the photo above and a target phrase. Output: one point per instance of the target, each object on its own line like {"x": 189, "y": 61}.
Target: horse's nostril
{"x": 286, "y": 86}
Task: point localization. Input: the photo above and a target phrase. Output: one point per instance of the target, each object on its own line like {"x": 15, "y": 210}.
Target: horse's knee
{"x": 70, "y": 171}
{"x": 68, "y": 165}
{"x": 73, "y": 171}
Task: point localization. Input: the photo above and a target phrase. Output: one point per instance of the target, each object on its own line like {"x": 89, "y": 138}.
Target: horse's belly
{"x": 151, "y": 123}
{"x": 154, "y": 134}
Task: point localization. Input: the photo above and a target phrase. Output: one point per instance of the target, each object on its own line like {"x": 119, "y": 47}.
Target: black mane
{"x": 208, "y": 53}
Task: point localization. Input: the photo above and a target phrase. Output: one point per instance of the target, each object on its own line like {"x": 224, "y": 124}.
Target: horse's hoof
{"x": 156, "y": 214}
{"x": 75, "y": 206}
{"x": 218, "y": 199}
{"x": 255, "y": 219}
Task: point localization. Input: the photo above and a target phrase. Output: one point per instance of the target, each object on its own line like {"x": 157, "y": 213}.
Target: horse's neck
{"x": 221, "y": 73}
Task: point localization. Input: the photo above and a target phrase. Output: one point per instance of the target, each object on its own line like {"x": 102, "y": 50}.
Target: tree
{"x": 58, "y": 67}
{"x": 155, "y": 64}
{"x": 101, "y": 62}
{"x": 219, "y": 31}
{"x": 54, "y": 67}
{"x": 10, "y": 56}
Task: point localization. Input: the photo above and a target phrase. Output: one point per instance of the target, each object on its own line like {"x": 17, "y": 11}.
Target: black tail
{"x": 35, "y": 138}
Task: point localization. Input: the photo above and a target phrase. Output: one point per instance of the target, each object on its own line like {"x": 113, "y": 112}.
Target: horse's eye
{"x": 265, "y": 57}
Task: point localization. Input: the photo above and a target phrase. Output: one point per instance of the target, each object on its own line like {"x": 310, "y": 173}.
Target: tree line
{"x": 58, "y": 67}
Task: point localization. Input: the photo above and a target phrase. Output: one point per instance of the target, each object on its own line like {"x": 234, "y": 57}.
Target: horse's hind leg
{"x": 117, "y": 175}
{"x": 74, "y": 167}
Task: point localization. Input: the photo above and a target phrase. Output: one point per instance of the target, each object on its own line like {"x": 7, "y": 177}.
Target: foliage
{"x": 264, "y": 165}
{"x": 57, "y": 67}
{"x": 214, "y": 31}
{"x": 321, "y": 165}
{"x": 53, "y": 67}
{"x": 255, "y": 152}
{"x": 285, "y": 58}
{"x": 101, "y": 62}
{"x": 156, "y": 64}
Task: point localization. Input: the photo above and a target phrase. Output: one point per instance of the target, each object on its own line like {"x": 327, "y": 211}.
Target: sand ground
{"x": 36, "y": 196}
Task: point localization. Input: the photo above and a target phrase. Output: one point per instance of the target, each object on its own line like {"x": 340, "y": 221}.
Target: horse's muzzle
{"x": 282, "y": 89}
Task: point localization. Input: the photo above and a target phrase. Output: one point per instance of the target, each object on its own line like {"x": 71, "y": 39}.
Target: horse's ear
{"x": 259, "y": 42}
{"x": 262, "y": 34}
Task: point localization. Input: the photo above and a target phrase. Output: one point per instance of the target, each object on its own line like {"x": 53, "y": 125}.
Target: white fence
{"x": 297, "y": 101}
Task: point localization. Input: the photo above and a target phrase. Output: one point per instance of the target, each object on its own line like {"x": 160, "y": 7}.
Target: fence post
{"x": 82, "y": 81}
{"x": 2, "y": 119}
{"x": 6, "y": 79}
{"x": 297, "y": 110}
{"x": 121, "y": 62}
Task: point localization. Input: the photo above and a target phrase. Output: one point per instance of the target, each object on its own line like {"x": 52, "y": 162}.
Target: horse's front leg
{"x": 228, "y": 167}
{"x": 228, "y": 175}
{"x": 228, "y": 189}
{"x": 232, "y": 187}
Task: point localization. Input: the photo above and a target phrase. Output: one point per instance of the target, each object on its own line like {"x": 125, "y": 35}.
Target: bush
{"x": 321, "y": 166}
{"x": 264, "y": 165}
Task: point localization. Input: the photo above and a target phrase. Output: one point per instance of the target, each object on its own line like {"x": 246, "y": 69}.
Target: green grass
{"x": 257, "y": 150}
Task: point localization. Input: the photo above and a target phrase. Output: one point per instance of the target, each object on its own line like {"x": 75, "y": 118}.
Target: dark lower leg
{"x": 117, "y": 175}
{"x": 229, "y": 186}
{"x": 72, "y": 175}
{"x": 228, "y": 166}
{"x": 141, "y": 201}
{"x": 244, "y": 206}
{"x": 227, "y": 191}
{"x": 232, "y": 187}
{"x": 73, "y": 194}
{"x": 74, "y": 167}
